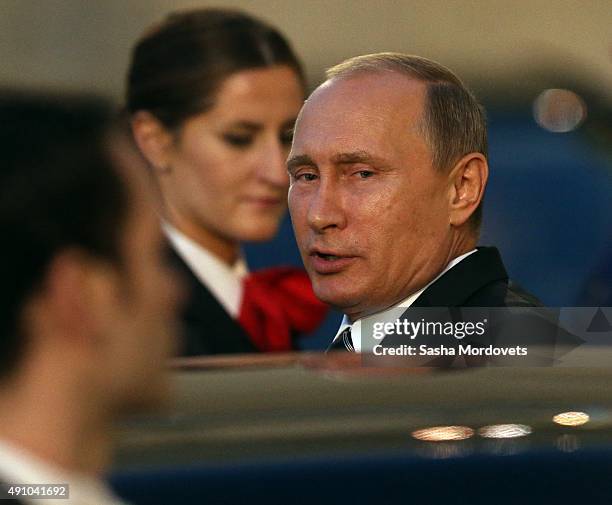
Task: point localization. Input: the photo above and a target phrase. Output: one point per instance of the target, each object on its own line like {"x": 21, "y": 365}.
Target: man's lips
{"x": 327, "y": 261}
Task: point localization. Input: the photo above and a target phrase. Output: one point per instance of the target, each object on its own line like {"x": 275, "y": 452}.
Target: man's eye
{"x": 364, "y": 174}
{"x": 306, "y": 177}
{"x": 238, "y": 140}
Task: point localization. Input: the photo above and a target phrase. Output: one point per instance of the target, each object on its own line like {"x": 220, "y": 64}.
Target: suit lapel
{"x": 207, "y": 327}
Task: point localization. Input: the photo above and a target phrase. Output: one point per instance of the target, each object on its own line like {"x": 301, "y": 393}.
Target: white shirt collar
{"x": 407, "y": 302}
{"x": 223, "y": 281}
{"x": 18, "y": 466}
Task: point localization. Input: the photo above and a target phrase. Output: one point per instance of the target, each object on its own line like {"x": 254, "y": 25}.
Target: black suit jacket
{"x": 206, "y": 326}
{"x": 480, "y": 280}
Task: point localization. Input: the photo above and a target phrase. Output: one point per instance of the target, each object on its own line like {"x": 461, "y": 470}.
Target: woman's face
{"x": 227, "y": 179}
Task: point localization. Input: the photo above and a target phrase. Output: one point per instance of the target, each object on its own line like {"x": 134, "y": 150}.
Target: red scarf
{"x": 276, "y": 303}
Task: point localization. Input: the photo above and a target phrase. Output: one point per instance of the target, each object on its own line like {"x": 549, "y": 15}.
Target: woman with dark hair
{"x": 213, "y": 95}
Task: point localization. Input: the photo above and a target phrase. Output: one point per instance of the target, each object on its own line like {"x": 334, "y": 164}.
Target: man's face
{"x": 369, "y": 211}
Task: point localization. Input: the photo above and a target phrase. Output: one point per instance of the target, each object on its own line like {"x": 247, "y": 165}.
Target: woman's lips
{"x": 330, "y": 263}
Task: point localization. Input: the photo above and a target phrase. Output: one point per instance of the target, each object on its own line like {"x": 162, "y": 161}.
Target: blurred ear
{"x": 153, "y": 139}
{"x": 78, "y": 300}
{"x": 468, "y": 179}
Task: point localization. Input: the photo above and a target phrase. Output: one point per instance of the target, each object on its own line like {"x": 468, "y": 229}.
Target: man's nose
{"x": 326, "y": 210}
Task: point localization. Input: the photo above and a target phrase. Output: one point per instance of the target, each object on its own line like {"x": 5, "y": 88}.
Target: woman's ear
{"x": 153, "y": 139}
{"x": 468, "y": 180}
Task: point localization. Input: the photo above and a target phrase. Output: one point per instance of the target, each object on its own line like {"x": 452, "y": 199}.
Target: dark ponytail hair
{"x": 179, "y": 64}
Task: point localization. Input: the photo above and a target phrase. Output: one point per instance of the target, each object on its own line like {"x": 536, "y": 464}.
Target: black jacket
{"x": 206, "y": 326}
{"x": 480, "y": 280}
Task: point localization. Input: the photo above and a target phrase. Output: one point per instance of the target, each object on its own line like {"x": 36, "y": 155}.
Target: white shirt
{"x": 223, "y": 281}
{"x": 388, "y": 315}
{"x": 17, "y": 466}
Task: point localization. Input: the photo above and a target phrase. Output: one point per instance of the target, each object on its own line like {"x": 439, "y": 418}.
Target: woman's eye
{"x": 238, "y": 140}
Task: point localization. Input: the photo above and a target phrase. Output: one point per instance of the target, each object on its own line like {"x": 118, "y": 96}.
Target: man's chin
{"x": 339, "y": 299}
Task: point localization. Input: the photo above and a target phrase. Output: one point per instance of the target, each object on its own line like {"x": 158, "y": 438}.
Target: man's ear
{"x": 153, "y": 139}
{"x": 468, "y": 179}
{"x": 78, "y": 298}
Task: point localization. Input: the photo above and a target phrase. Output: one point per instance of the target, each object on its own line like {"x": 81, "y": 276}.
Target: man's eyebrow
{"x": 358, "y": 157}
{"x": 339, "y": 159}
{"x": 298, "y": 161}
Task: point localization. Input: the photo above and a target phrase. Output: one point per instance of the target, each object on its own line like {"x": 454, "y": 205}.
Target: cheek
{"x": 212, "y": 169}
{"x": 210, "y": 179}
{"x": 298, "y": 204}
{"x": 378, "y": 216}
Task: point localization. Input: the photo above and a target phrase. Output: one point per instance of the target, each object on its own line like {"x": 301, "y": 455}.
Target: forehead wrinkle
{"x": 351, "y": 121}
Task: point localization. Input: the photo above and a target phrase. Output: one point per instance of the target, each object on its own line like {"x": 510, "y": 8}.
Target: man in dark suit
{"x": 87, "y": 309}
{"x": 388, "y": 171}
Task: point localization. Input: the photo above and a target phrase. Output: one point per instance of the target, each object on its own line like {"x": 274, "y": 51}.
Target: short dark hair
{"x": 58, "y": 189}
{"x": 454, "y": 122}
{"x": 178, "y": 65}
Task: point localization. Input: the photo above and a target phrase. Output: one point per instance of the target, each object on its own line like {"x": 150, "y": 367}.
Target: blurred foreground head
{"x": 87, "y": 305}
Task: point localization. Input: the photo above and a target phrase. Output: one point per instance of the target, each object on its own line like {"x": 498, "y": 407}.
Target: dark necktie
{"x": 344, "y": 342}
